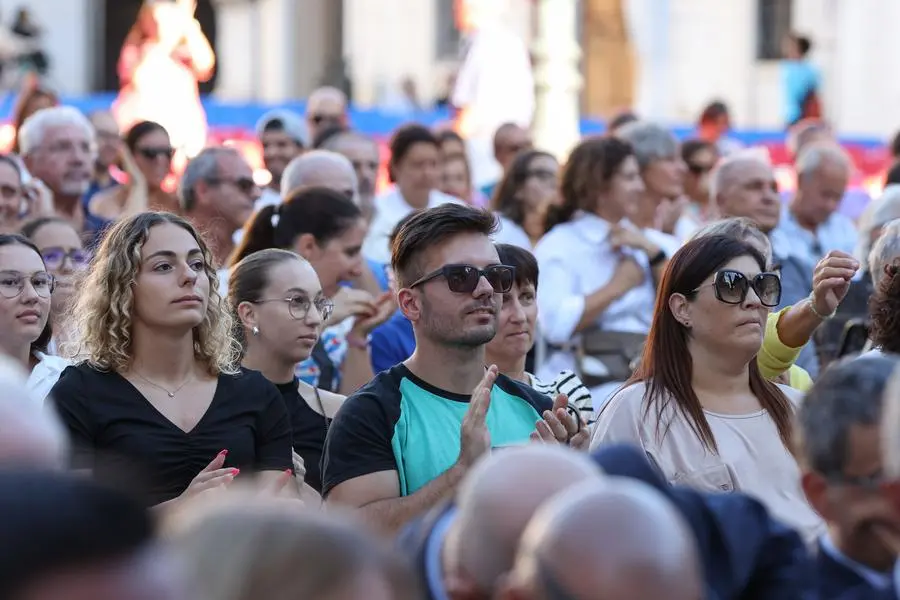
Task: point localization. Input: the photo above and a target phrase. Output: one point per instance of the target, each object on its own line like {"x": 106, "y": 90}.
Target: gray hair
{"x": 890, "y": 427}
{"x": 302, "y": 169}
{"x": 848, "y": 393}
{"x": 35, "y": 127}
{"x": 885, "y": 251}
{"x": 649, "y": 141}
{"x": 812, "y": 158}
{"x": 203, "y": 167}
{"x": 726, "y": 168}
{"x": 739, "y": 228}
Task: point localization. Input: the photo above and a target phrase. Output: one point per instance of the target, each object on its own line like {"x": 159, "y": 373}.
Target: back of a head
{"x": 318, "y": 168}
{"x": 653, "y": 554}
{"x": 890, "y": 427}
{"x": 499, "y": 498}
{"x": 257, "y": 549}
{"x": 56, "y": 523}
{"x": 885, "y": 251}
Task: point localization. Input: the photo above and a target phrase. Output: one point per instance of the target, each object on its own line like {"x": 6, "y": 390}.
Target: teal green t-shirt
{"x": 398, "y": 422}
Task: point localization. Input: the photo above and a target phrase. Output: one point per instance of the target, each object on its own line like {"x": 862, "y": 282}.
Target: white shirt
{"x": 512, "y": 234}
{"x": 390, "y": 208}
{"x": 45, "y": 374}
{"x": 576, "y": 260}
{"x": 790, "y": 239}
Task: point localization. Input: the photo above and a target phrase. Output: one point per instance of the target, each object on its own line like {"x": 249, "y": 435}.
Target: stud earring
{"x": 255, "y": 330}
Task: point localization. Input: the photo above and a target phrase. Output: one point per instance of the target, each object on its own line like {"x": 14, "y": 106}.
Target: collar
{"x": 876, "y": 579}
{"x": 591, "y": 227}
{"x": 434, "y": 570}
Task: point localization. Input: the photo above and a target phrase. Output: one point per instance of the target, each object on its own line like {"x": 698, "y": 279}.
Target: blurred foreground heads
{"x": 566, "y": 552}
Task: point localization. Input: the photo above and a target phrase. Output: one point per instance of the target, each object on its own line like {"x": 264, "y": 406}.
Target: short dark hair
{"x": 847, "y": 393}
{"x": 323, "y": 212}
{"x": 895, "y": 146}
{"x": 524, "y": 261}
{"x": 51, "y": 522}
{"x": 713, "y": 111}
{"x": 691, "y": 147}
{"x": 804, "y": 44}
{"x": 15, "y": 239}
{"x": 326, "y": 134}
{"x": 139, "y": 130}
{"x": 893, "y": 175}
{"x": 428, "y": 228}
{"x": 623, "y": 118}
{"x": 275, "y": 124}
{"x": 405, "y": 138}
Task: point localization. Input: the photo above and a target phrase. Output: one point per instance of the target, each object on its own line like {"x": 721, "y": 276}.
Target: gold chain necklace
{"x": 157, "y": 386}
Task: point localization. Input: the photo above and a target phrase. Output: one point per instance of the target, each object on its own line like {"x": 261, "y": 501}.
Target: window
{"x": 447, "y": 35}
{"x": 773, "y": 22}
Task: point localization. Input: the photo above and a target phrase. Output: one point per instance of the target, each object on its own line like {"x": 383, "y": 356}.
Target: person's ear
{"x": 410, "y": 304}
{"x": 246, "y": 312}
{"x": 306, "y": 246}
{"x": 681, "y": 309}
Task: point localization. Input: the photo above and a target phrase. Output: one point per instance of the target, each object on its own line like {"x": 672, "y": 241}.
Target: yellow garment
{"x": 775, "y": 357}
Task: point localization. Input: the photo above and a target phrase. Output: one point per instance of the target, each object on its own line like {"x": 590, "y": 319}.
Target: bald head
{"x": 319, "y": 168}
{"x": 32, "y": 435}
{"x": 362, "y": 152}
{"x": 509, "y": 140}
{"x": 498, "y": 499}
{"x": 615, "y": 539}
{"x": 326, "y": 107}
{"x": 743, "y": 185}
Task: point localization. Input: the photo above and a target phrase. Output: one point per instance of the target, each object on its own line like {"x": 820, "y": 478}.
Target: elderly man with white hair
{"x": 58, "y": 146}
{"x": 31, "y": 434}
{"x": 811, "y": 225}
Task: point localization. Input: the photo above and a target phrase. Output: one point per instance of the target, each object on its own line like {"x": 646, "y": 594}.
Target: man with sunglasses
{"x": 402, "y": 443}
{"x": 326, "y": 107}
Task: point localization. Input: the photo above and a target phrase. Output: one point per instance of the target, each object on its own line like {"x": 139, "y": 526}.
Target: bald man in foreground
{"x": 463, "y": 551}
{"x": 616, "y": 539}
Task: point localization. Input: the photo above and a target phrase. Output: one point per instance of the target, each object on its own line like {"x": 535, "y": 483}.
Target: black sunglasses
{"x": 699, "y": 169}
{"x": 244, "y": 184}
{"x": 463, "y": 279}
{"x": 330, "y": 119}
{"x": 732, "y": 286}
{"x": 154, "y": 153}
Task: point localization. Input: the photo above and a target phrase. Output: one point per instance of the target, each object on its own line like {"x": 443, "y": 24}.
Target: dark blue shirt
{"x": 391, "y": 343}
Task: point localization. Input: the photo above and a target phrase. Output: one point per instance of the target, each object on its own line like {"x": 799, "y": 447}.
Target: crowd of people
{"x": 624, "y": 376}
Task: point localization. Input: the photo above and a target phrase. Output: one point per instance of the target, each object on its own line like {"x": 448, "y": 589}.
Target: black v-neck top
{"x": 125, "y": 440}
{"x": 309, "y": 429}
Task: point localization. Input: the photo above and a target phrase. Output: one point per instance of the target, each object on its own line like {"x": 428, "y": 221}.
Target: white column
{"x": 557, "y": 77}
{"x": 238, "y": 56}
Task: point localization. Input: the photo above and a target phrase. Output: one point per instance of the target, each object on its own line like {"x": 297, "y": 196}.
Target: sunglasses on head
{"x": 154, "y": 153}
{"x": 732, "y": 287}
{"x": 463, "y": 279}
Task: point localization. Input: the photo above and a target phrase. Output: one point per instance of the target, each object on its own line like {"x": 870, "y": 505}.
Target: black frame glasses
{"x": 13, "y": 284}
{"x": 299, "y": 306}
{"x": 463, "y": 279}
{"x": 732, "y": 287}
{"x": 55, "y": 256}
{"x": 154, "y": 153}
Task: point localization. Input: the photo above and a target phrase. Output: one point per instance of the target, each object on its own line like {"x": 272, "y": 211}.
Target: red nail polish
{"x": 223, "y": 452}
{"x": 235, "y": 472}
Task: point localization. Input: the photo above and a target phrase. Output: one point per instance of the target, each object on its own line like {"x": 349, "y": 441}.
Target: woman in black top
{"x": 280, "y": 308}
{"x": 158, "y": 397}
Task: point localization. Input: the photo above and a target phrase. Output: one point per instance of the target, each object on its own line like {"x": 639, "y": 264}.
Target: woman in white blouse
{"x": 521, "y": 199}
{"x": 698, "y": 404}
{"x": 598, "y": 270}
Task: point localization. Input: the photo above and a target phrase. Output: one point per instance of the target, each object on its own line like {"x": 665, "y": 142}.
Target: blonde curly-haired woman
{"x": 158, "y": 401}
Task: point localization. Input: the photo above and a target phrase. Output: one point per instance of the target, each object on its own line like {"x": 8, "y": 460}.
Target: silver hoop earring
{"x": 255, "y": 330}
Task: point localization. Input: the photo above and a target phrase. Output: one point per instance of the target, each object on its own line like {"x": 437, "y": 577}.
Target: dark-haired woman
{"x": 280, "y": 309}
{"x": 698, "y": 404}
{"x": 521, "y": 199}
{"x": 598, "y": 270}
{"x": 147, "y": 159}
{"x": 415, "y": 171}
{"x": 25, "y": 290}
{"x": 327, "y": 229}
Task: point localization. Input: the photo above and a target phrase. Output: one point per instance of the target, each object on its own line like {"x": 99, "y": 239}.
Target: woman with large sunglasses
{"x": 698, "y": 404}
{"x": 147, "y": 160}
{"x": 25, "y": 331}
{"x": 65, "y": 257}
{"x": 280, "y": 310}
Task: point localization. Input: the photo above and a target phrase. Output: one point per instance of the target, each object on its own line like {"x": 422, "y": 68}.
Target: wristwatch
{"x": 658, "y": 258}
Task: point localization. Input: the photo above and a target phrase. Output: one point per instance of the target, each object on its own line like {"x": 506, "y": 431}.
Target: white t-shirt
{"x": 45, "y": 374}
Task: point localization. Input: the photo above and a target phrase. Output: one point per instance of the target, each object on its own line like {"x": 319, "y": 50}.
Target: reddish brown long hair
{"x": 666, "y": 366}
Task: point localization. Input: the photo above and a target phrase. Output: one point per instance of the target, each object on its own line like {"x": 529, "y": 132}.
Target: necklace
{"x": 159, "y": 387}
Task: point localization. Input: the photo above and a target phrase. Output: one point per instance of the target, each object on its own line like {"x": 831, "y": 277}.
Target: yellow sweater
{"x": 775, "y": 358}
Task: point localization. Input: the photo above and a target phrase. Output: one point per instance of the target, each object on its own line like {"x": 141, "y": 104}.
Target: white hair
{"x": 35, "y": 127}
{"x": 726, "y": 168}
{"x": 885, "y": 251}
{"x": 878, "y": 213}
{"x": 32, "y": 430}
{"x": 303, "y": 170}
{"x": 813, "y": 156}
{"x": 890, "y": 426}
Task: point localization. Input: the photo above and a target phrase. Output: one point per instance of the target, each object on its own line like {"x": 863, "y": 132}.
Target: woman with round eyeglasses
{"x": 25, "y": 331}
{"x": 698, "y": 403}
{"x": 147, "y": 160}
{"x": 64, "y": 255}
{"x": 280, "y": 309}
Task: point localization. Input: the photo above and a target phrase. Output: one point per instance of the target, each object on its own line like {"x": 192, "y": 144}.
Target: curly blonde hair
{"x": 104, "y": 306}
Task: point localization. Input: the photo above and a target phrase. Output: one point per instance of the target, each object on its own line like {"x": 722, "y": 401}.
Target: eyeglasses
{"x": 12, "y": 284}
{"x": 732, "y": 286}
{"x": 299, "y": 306}
{"x": 244, "y": 184}
{"x": 55, "y": 256}
{"x": 463, "y": 279}
{"x": 154, "y": 153}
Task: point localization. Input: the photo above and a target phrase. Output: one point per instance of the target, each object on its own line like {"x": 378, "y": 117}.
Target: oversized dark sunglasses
{"x": 732, "y": 286}
{"x": 154, "y": 153}
{"x": 463, "y": 279}
{"x": 55, "y": 257}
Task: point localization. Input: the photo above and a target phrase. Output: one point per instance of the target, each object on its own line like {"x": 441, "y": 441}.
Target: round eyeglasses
{"x": 299, "y": 306}
{"x": 12, "y": 284}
